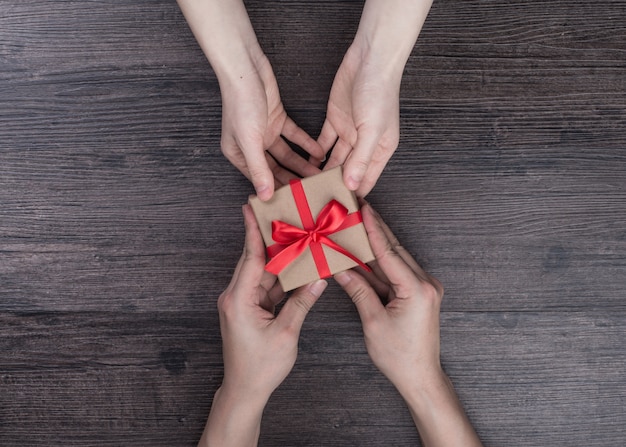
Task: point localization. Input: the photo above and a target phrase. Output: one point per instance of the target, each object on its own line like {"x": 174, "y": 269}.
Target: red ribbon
{"x": 292, "y": 241}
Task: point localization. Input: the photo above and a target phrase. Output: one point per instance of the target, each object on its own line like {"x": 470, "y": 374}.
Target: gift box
{"x": 312, "y": 229}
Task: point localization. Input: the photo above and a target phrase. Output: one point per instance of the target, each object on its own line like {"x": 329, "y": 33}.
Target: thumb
{"x": 356, "y": 165}
{"x": 362, "y": 294}
{"x": 260, "y": 173}
{"x": 300, "y": 303}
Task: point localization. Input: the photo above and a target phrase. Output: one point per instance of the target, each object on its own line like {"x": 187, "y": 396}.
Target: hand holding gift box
{"x": 312, "y": 229}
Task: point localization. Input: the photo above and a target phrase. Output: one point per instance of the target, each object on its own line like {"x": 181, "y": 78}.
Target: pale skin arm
{"x": 362, "y": 121}
{"x": 402, "y": 336}
{"x": 253, "y": 116}
{"x": 259, "y": 347}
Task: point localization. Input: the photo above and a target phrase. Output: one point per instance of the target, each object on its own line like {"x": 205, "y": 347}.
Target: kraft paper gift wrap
{"x": 319, "y": 191}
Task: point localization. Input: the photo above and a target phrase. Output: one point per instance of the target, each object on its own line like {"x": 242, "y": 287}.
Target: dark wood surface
{"x": 120, "y": 223}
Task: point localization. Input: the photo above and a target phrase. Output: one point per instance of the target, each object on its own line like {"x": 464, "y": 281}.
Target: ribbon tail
{"x": 335, "y": 246}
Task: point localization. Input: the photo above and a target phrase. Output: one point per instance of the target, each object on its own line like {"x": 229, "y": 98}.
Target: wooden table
{"x": 120, "y": 223}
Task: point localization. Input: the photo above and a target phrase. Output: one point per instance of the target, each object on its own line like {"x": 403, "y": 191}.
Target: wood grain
{"x": 120, "y": 222}
{"x": 105, "y": 378}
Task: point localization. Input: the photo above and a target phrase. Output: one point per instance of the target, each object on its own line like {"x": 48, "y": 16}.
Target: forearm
{"x": 438, "y": 414}
{"x": 233, "y": 421}
{"x": 389, "y": 29}
{"x": 225, "y": 34}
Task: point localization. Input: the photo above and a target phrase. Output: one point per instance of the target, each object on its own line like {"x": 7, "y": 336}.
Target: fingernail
{"x": 353, "y": 183}
{"x": 262, "y": 191}
{"x": 343, "y": 278}
{"x": 318, "y": 287}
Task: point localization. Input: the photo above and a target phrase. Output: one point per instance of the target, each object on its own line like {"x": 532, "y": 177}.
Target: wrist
{"x": 225, "y": 34}
{"x": 438, "y": 413}
{"x": 237, "y": 395}
{"x": 383, "y": 65}
{"x": 238, "y": 63}
{"x": 425, "y": 388}
{"x": 430, "y": 397}
{"x": 388, "y": 31}
{"x": 234, "y": 420}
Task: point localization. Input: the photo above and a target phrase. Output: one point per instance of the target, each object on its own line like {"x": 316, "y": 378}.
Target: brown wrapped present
{"x": 312, "y": 229}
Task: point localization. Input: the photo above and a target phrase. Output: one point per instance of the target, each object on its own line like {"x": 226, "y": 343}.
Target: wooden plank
{"x": 107, "y": 379}
{"x": 537, "y": 378}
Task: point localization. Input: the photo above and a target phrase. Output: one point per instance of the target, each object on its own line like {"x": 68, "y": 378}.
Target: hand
{"x": 253, "y": 120}
{"x": 362, "y": 121}
{"x": 259, "y": 347}
{"x": 402, "y": 337}
{"x": 253, "y": 117}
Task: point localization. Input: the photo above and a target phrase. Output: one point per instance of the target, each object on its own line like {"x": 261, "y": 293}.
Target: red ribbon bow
{"x": 292, "y": 241}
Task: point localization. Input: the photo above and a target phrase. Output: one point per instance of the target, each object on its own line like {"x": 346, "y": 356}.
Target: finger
{"x": 252, "y": 267}
{"x": 300, "y": 303}
{"x": 268, "y": 281}
{"x": 401, "y": 276}
{"x": 235, "y": 276}
{"x": 281, "y": 175}
{"x": 233, "y": 153}
{"x": 276, "y": 294}
{"x": 272, "y": 297}
{"x": 362, "y": 295}
{"x": 356, "y": 165}
{"x": 399, "y": 248}
{"x": 379, "y": 272}
{"x": 242, "y": 259}
{"x": 259, "y": 171}
{"x": 289, "y": 159}
{"x": 374, "y": 170}
{"x": 278, "y": 183}
{"x": 316, "y": 161}
{"x": 297, "y": 135}
{"x": 328, "y": 136}
{"x": 376, "y": 279}
{"x": 339, "y": 154}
